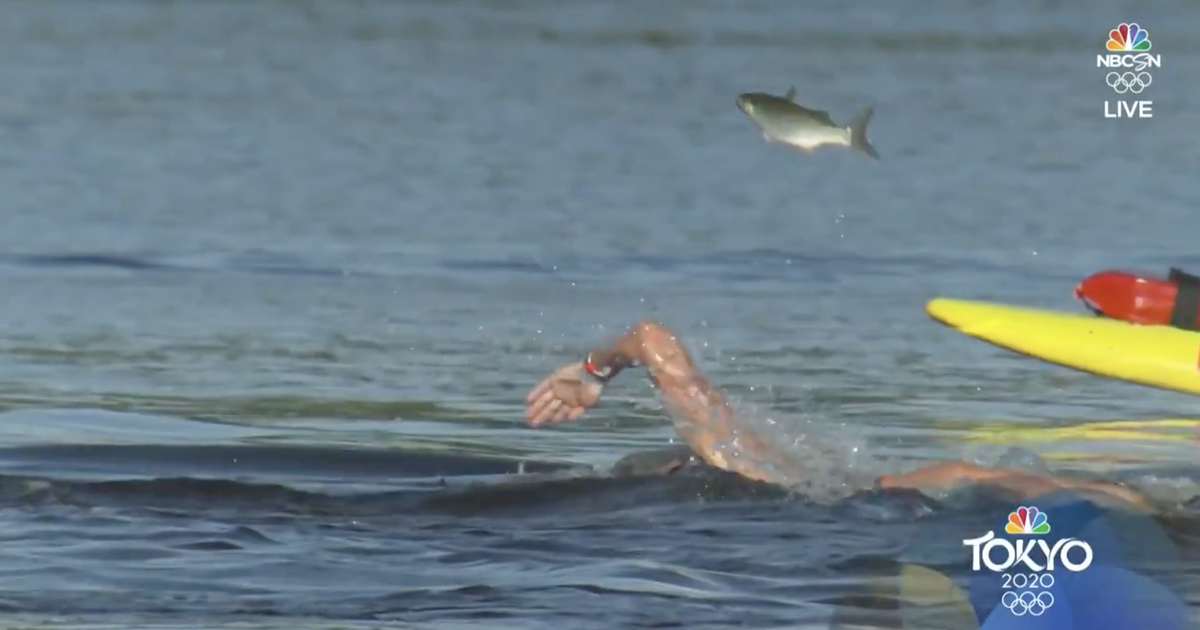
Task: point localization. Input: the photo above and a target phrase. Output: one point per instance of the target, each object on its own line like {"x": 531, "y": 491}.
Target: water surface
{"x": 243, "y": 242}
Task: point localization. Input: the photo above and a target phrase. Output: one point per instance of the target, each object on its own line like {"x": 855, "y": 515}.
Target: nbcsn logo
{"x": 1000, "y": 555}
{"x": 1128, "y": 59}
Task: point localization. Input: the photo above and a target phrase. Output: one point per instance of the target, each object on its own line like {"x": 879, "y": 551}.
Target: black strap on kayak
{"x": 1187, "y": 299}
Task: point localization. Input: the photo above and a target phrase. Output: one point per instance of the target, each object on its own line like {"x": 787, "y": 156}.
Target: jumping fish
{"x": 782, "y": 119}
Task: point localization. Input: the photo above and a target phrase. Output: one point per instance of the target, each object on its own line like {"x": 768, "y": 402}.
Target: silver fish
{"x": 782, "y": 119}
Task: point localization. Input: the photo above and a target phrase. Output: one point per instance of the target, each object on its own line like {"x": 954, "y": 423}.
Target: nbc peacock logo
{"x": 1128, "y": 38}
{"x": 1027, "y": 520}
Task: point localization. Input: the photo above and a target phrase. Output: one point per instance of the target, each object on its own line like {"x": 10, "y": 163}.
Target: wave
{"x": 412, "y": 484}
{"x": 320, "y": 480}
{"x": 249, "y": 262}
{"x": 168, "y": 408}
{"x": 346, "y": 482}
{"x": 506, "y": 527}
{"x": 304, "y": 462}
{"x": 521, "y": 493}
{"x": 750, "y": 263}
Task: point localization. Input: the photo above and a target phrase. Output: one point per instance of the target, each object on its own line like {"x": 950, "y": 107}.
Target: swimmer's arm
{"x": 655, "y": 347}
{"x": 946, "y": 475}
{"x": 703, "y": 418}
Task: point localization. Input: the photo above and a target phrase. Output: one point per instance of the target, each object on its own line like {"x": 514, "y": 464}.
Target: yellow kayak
{"x": 1158, "y": 356}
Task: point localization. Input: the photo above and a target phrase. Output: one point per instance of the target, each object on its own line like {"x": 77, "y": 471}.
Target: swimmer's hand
{"x": 564, "y": 395}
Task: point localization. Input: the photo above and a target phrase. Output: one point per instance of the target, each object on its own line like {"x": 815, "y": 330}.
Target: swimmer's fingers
{"x": 551, "y": 411}
{"x": 570, "y": 371}
{"x": 556, "y": 411}
{"x": 536, "y": 413}
{"x": 568, "y": 413}
{"x": 539, "y": 391}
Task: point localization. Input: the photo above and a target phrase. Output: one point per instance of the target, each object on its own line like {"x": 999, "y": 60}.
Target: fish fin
{"x": 791, "y": 94}
{"x": 858, "y": 132}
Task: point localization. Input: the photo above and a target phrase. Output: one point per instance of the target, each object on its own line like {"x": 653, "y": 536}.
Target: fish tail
{"x": 858, "y": 132}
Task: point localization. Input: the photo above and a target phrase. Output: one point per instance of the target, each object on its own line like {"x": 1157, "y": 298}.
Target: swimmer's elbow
{"x": 649, "y": 329}
{"x": 655, "y": 340}
{"x": 646, "y": 342}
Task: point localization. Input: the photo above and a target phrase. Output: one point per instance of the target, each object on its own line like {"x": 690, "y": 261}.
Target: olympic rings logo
{"x": 1027, "y": 602}
{"x": 1133, "y": 82}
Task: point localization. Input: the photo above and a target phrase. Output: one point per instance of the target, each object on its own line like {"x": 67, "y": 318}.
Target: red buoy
{"x": 1144, "y": 298}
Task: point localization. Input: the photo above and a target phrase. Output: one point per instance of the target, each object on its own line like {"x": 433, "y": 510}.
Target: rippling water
{"x": 277, "y": 275}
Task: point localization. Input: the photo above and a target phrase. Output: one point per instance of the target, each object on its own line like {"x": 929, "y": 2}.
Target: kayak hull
{"x": 1156, "y": 356}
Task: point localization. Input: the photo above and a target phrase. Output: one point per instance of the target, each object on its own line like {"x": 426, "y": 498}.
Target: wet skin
{"x": 706, "y": 423}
